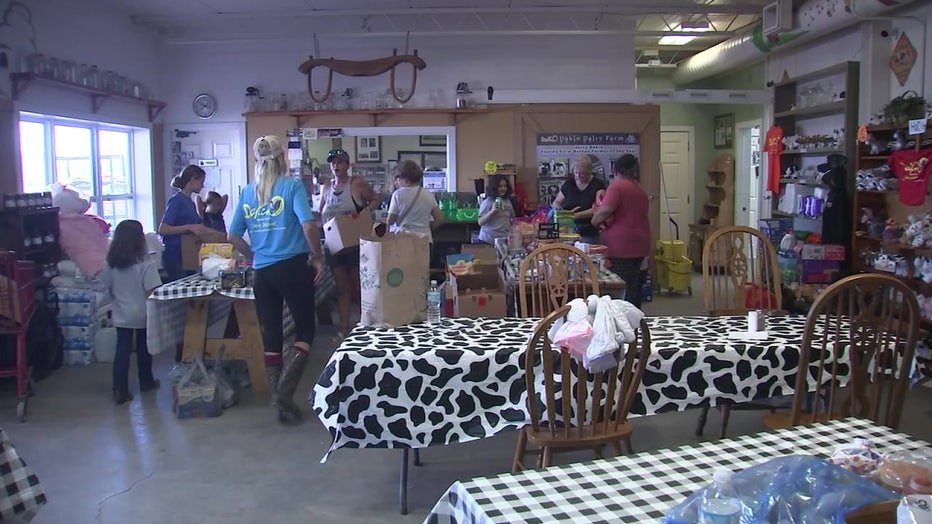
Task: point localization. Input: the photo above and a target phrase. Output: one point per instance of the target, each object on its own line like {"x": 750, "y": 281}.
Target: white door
{"x": 747, "y": 170}
{"x": 219, "y": 151}
{"x": 676, "y": 187}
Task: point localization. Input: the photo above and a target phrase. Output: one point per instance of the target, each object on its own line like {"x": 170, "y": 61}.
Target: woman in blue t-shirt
{"x": 284, "y": 240}
{"x": 181, "y": 218}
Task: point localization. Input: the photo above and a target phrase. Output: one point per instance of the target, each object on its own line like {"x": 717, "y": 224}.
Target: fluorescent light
{"x": 675, "y": 40}
{"x": 685, "y": 27}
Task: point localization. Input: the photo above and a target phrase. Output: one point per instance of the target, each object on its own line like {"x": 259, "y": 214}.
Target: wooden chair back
{"x": 552, "y": 275}
{"x": 583, "y": 403}
{"x": 740, "y": 272}
{"x": 868, "y": 326}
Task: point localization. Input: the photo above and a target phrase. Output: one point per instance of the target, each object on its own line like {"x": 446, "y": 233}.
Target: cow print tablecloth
{"x": 418, "y": 386}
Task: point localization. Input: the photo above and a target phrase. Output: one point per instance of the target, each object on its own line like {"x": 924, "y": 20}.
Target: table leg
{"x": 251, "y": 341}
{"x": 417, "y": 457}
{"x": 403, "y": 483}
{"x": 247, "y": 347}
{"x": 195, "y": 328}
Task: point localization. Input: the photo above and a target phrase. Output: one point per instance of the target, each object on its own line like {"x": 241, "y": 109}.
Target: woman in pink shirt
{"x": 628, "y": 236}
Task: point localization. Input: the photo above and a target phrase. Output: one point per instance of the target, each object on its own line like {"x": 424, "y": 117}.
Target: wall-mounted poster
{"x": 557, "y": 151}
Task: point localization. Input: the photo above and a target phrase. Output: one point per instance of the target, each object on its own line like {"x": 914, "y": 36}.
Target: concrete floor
{"x": 137, "y": 463}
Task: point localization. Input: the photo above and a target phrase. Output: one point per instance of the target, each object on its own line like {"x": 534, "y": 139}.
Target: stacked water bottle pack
{"x": 83, "y": 315}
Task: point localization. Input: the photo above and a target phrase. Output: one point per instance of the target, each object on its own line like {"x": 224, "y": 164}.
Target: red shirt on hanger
{"x": 773, "y": 146}
{"x": 911, "y": 168}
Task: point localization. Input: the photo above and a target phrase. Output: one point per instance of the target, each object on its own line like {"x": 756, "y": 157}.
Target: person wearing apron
{"x": 345, "y": 195}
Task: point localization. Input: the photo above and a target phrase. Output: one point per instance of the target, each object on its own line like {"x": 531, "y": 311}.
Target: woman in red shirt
{"x": 628, "y": 236}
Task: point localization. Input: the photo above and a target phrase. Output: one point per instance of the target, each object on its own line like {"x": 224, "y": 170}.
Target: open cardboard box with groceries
{"x": 476, "y": 283}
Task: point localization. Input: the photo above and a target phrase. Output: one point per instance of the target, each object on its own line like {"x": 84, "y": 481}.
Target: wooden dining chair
{"x": 740, "y": 272}
{"x": 863, "y": 328}
{"x": 552, "y": 275}
{"x": 585, "y": 410}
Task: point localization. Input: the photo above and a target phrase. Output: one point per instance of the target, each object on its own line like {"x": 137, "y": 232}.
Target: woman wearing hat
{"x": 345, "y": 195}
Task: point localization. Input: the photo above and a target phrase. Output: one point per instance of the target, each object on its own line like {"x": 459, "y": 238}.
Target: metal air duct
{"x": 813, "y": 19}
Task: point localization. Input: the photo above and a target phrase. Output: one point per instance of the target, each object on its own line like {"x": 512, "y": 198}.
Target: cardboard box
{"x": 483, "y": 254}
{"x": 190, "y": 252}
{"x": 819, "y": 271}
{"x": 823, "y": 252}
{"x": 343, "y": 232}
{"x": 480, "y": 293}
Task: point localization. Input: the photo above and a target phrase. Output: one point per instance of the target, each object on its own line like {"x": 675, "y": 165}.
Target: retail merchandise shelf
{"x": 813, "y": 151}
{"x": 830, "y": 108}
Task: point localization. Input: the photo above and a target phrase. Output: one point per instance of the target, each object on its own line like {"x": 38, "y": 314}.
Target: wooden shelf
{"x": 877, "y": 192}
{"x": 791, "y": 215}
{"x": 836, "y": 69}
{"x": 371, "y": 112}
{"x": 889, "y": 127}
{"x": 814, "y": 151}
{"x": 30, "y": 210}
{"x": 800, "y": 182}
{"x": 21, "y": 81}
{"x": 831, "y": 108}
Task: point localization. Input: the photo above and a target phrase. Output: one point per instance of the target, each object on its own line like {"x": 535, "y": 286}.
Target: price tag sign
{"x": 917, "y": 127}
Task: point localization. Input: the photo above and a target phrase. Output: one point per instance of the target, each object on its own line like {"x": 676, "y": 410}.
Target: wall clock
{"x": 204, "y": 105}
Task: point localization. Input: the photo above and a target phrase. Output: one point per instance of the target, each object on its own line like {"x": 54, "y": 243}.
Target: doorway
{"x": 677, "y": 184}
{"x": 218, "y": 150}
{"x": 748, "y": 173}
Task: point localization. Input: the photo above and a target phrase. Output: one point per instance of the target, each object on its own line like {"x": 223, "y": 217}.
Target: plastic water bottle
{"x": 433, "y": 303}
{"x": 720, "y": 504}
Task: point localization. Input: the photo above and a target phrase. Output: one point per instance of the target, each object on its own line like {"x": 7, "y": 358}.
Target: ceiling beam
{"x": 665, "y": 8}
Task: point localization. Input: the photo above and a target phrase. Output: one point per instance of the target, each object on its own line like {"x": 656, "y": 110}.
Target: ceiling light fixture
{"x": 685, "y": 27}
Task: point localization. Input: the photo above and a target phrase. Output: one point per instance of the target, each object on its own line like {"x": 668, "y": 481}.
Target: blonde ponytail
{"x": 270, "y": 165}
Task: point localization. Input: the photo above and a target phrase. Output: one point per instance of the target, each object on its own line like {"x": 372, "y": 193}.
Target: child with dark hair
{"x": 131, "y": 277}
{"x": 211, "y": 210}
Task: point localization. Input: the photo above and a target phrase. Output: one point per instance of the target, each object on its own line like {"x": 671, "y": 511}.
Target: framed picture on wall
{"x": 435, "y": 161}
{"x": 432, "y": 140}
{"x": 416, "y": 156}
{"x": 723, "y": 127}
{"x": 368, "y": 149}
{"x": 391, "y": 165}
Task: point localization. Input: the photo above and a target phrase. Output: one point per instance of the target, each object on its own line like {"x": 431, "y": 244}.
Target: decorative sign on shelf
{"x": 917, "y": 126}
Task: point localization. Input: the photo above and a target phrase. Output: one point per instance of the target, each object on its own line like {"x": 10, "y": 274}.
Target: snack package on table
{"x": 858, "y": 457}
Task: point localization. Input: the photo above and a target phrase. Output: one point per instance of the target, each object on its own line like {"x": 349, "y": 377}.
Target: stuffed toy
{"x": 83, "y": 237}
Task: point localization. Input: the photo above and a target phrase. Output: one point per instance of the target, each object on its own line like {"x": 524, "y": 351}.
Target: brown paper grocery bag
{"x": 393, "y": 277}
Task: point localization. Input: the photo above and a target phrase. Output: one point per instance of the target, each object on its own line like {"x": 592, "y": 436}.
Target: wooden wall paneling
{"x": 482, "y": 137}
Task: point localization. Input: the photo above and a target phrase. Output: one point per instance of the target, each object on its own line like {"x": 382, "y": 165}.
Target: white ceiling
{"x": 197, "y": 21}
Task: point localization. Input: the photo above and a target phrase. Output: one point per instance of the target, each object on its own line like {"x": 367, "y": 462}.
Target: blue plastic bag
{"x": 794, "y": 489}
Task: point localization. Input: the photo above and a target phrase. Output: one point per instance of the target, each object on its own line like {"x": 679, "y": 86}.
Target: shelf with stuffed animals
{"x": 892, "y": 208}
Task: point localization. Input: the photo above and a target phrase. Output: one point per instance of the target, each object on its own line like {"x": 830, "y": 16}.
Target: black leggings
{"x": 291, "y": 280}
{"x": 629, "y": 269}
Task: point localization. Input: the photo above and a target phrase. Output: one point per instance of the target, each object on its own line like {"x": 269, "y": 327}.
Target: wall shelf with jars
{"x": 132, "y": 93}
{"x": 373, "y": 114}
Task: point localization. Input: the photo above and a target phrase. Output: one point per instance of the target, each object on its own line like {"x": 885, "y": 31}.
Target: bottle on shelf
{"x": 720, "y": 504}
{"x": 433, "y": 303}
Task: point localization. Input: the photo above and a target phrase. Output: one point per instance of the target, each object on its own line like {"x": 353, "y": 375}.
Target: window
{"x": 93, "y": 158}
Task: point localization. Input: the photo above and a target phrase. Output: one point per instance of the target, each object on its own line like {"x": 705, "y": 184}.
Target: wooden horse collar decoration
{"x": 372, "y": 67}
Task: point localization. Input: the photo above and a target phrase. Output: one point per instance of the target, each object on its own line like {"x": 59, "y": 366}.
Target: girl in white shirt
{"x": 412, "y": 207}
{"x": 131, "y": 277}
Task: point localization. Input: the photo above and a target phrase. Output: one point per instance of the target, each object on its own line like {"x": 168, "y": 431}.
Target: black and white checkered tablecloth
{"x": 165, "y": 309}
{"x": 418, "y": 385}
{"x": 22, "y": 495}
{"x": 641, "y": 487}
